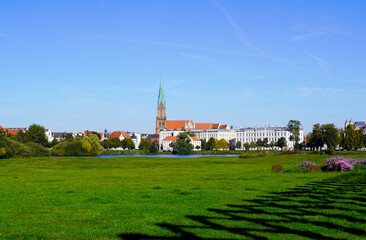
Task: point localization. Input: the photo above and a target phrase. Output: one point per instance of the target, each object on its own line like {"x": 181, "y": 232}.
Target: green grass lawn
{"x": 198, "y": 198}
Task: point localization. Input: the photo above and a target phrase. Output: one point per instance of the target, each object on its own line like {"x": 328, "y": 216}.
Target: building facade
{"x": 205, "y": 134}
{"x": 247, "y": 135}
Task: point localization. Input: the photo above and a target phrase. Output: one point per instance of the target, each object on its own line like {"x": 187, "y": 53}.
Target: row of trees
{"x": 331, "y": 137}
{"x": 31, "y": 143}
{"x": 126, "y": 143}
{"x": 281, "y": 143}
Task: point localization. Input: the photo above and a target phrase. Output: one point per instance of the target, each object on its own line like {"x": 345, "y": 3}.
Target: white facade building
{"x": 206, "y": 134}
{"x": 48, "y": 135}
{"x": 247, "y": 135}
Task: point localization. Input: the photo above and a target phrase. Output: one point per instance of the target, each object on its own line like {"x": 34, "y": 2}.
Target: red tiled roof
{"x": 223, "y": 126}
{"x": 114, "y": 134}
{"x": 170, "y": 138}
{"x": 202, "y": 126}
{"x": 154, "y": 139}
{"x": 118, "y": 134}
{"x": 194, "y": 139}
{"x": 13, "y": 132}
{"x": 214, "y": 126}
{"x": 125, "y": 135}
{"x": 177, "y": 124}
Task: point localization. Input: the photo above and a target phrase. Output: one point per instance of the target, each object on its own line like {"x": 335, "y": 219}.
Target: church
{"x": 178, "y": 125}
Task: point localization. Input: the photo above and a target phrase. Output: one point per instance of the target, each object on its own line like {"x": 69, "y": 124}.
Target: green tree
{"x": 246, "y": 146}
{"x": 182, "y": 145}
{"x": 221, "y": 144}
{"x": 272, "y": 144}
{"x": 69, "y": 137}
{"x": 129, "y": 143}
{"x": 36, "y": 134}
{"x": 204, "y": 144}
{"x": 252, "y": 144}
{"x": 281, "y": 143}
{"x": 293, "y": 127}
{"x": 211, "y": 144}
{"x": 330, "y": 135}
{"x": 20, "y": 136}
{"x": 259, "y": 143}
{"x": 352, "y": 139}
{"x": 238, "y": 145}
{"x": 54, "y": 142}
{"x": 198, "y": 147}
{"x": 316, "y": 138}
{"x": 265, "y": 142}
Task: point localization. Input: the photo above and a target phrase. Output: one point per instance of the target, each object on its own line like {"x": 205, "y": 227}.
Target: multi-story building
{"x": 206, "y": 134}
{"x": 247, "y": 135}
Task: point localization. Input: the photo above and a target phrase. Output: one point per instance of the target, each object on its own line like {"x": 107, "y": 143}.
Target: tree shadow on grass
{"x": 330, "y": 209}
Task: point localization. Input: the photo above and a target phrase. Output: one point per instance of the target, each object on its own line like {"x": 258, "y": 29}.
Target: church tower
{"x": 161, "y": 116}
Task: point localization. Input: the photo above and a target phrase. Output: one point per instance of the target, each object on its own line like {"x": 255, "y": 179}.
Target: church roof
{"x": 161, "y": 97}
{"x": 177, "y": 124}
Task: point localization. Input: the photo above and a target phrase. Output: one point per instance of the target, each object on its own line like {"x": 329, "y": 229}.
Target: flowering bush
{"x": 342, "y": 164}
{"x": 277, "y": 168}
{"x": 306, "y": 164}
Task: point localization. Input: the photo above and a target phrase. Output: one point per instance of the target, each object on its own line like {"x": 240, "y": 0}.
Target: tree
{"x": 20, "y": 136}
{"x": 316, "y": 138}
{"x": 352, "y": 139}
{"x": 54, "y": 142}
{"x": 210, "y": 144}
{"x": 221, "y": 144}
{"x": 293, "y": 127}
{"x": 272, "y": 144}
{"x": 129, "y": 143}
{"x": 238, "y": 145}
{"x": 36, "y": 134}
{"x": 246, "y": 146}
{"x": 69, "y": 137}
{"x": 281, "y": 143}
{"x": 265, "y": 142}
{"x": 204, "y": 144}
{"x": 252, "y": 144}
{"x": 259, "y": 143}
{"x": 182, "y": 145}
{"x": 330, "y": 135}
{"x": 148, "y": 146}
{"x": 198, "y": 147}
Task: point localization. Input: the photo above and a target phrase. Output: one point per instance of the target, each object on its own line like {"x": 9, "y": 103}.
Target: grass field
{"x": 197, "y": 198}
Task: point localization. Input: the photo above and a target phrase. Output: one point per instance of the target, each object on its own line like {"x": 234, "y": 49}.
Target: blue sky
{"x": 77, "y": 65}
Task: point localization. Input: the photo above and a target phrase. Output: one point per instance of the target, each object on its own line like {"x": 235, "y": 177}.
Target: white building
{"x": 218, "y": 134}
{"x": 247, "y": 135}
{"x": 136, "y": 138}
{"x": 49, "y": 135}
{"x": 163, "y": 134}
{"x": 165, "y": 143}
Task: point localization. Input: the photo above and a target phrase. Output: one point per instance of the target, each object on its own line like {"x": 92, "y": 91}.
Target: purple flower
{"x": 342, "y": 164}
{"x": 306, "y": 164}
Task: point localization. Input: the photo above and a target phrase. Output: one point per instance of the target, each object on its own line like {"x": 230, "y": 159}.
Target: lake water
{"x": 168, "y": 156}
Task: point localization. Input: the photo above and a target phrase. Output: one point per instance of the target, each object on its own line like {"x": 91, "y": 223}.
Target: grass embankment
{"x": 131, "y": 198}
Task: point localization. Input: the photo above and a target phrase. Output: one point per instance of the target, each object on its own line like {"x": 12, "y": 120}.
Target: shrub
{"x": 306, "y": 164}
{"x": 341, "y": 164}
{"x": 37, "y": 150}
{"x": 86, "y": 146}
{"x": 2, "y": 152}
{"x": 313, "y": 169}
{"x": 277, "y": 168}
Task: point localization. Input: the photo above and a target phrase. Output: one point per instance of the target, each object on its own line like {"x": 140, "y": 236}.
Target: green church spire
{"x": 161, "y": 97}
